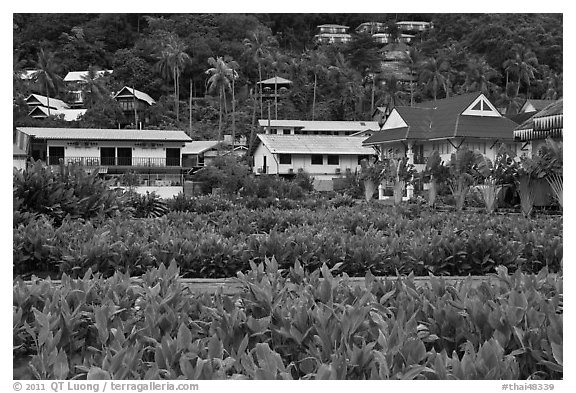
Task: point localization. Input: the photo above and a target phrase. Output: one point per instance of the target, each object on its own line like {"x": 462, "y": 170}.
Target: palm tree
{"x": 392, "y": 91}
{"x": 47, "y": 74}
{"x": 478, "y": 76}
{"x": 522, "y": 65}
{"x": 93, "y": 86}
{"x": 553, "y": 87}
{"x": 527, "y": 67}
{"x": 413, "y": 60}
{"x": 348, "y": 86}
{"x": 433, "y": 75}
{"x": 258, "y": 46}
{"x": 220, "y": 76}
{"x": 172, "y": 61}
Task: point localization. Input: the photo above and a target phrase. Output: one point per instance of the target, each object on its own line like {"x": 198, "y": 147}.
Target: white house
{"x": 315, "y": 127}
{"x": 74, "y": 81}
{"x": 321, "y": 156}
{"x": 153, "y": 155}
{"x": 467, "y": 121}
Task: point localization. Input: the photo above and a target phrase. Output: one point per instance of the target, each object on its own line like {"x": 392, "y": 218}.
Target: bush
{"x": 67, "y": 192}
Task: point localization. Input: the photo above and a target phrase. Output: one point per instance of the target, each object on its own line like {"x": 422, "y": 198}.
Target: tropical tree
{"x": 47, "y": 74}
{"x": 347, "y": 88}
{"x": 93, "y": 86}
{"x": 522, "y": 65}
{"x": 435, "y": 173}
{"x": 413, "y": 60}
{"x": 371, "y": 174}
{"x": 172, "y": 60}
{"x": 434, "y": 74}
{"x": 392, "y": 92}
{"x": 258, "y": 47}
{"x": 461, "y": 175}
{"x": 220, "y": 77}
{"x": 479, "y": 76}
{"x": 318, "y": 62}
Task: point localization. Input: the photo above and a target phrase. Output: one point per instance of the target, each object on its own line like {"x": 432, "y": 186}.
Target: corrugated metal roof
{"x": 314, "y": 144}
{"x": 43, "y": 100}
{"x": 310, "y": 125}
{"x": 79, "y": 76}
{"x": 139, "y": 94}
{"x": 197, "y": 147}
{"x": 105, "y": 134}
{"x": 69, "y": 114}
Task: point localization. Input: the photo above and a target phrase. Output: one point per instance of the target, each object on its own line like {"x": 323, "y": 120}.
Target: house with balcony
{"x": 546, "y": 123}
{"x": 154, "y": 156}
{"x": 323, "y": 157}
{"x": 468, "y": 121}
{"x": 413, "y": 27}
{"x": 134, "y": 104}
{"x": 371, "y": 28}
{"x": 74, "y": 82}
{"x": 315, "y": 127}
{"x": 332, "y": 34}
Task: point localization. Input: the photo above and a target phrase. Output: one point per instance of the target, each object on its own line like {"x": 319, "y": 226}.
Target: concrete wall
{"x": 304, "y": 162}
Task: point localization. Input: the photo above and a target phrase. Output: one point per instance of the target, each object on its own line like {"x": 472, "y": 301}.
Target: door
{"x": 55, "y": 154}
{"x": 125, "y": 156}
{"x": 172, "y": 157}
{"x": 265, "y": 166}
{"x": 108, "y": 156}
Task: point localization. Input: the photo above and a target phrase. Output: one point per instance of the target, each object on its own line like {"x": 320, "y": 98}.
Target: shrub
{"x": 69, "y": 192}
{"x": 289, "y": 324}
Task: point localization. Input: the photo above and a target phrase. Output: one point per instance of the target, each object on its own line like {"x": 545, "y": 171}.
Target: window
{"x": 333, "y": 159}
{"x": 317, "y": 159}
{"x": 285, "y": 159}
{"x": 286, "y": 131}
{"x": 273, "y": 131}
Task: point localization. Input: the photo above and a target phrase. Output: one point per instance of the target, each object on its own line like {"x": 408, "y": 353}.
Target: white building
{"x": 322, "y": 157}
{"x": 311, "y": 127}
{"x": 153, "y": 155}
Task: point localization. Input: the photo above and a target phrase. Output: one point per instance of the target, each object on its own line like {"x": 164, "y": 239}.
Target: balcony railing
{"x": 118, "y": 161}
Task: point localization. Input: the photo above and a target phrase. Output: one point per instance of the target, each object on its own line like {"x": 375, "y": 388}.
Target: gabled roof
{"x": 445, "y": 118}
{"x": 275, "y": 80}
{"x": 78, "y": 76}
{"x": 128, "y": 91}
{"x": 198, "y": 147}
{"x": 69, "y": 114}
{"x": 105, "y": 134}
{"x": 547, "y": 122}
{"x": 309, "y": 125}
{"x": 537, "y": 104}
{"x": 314, "y": 144}
{"x": 43, "y": 100}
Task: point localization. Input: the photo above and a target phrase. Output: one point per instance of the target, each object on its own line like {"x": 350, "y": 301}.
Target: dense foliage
{"x": 218, "y": 238}
{"x": 289, "y": 324}
{"x": 507, "y": 56}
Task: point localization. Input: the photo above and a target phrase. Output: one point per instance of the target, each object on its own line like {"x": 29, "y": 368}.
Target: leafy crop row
{"x": 356, "y": 239}
{"x": 289, "y": 324}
